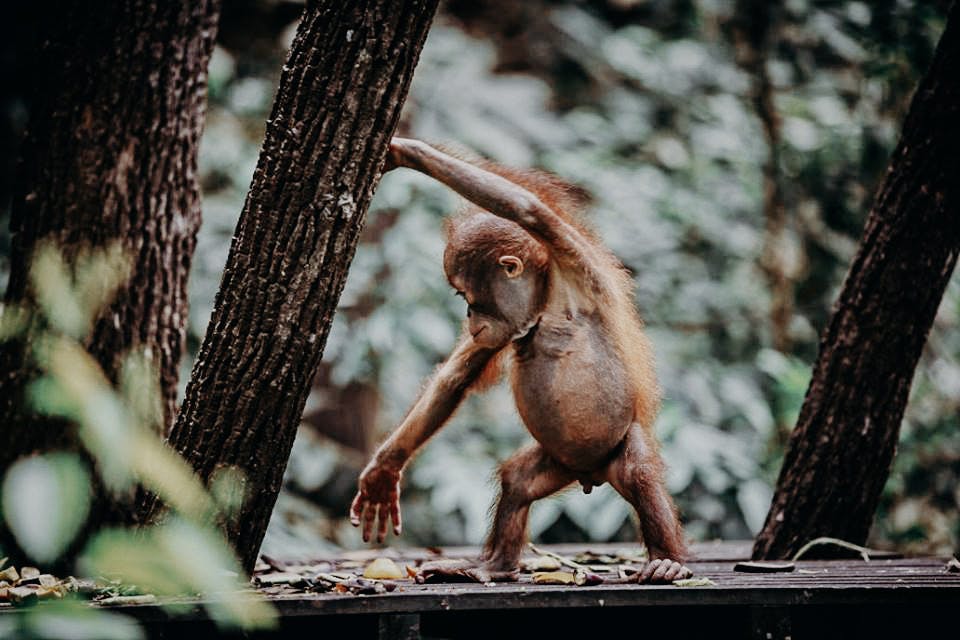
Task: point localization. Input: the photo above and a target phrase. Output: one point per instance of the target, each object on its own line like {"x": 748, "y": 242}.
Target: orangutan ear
{"x": 512, "y": 265}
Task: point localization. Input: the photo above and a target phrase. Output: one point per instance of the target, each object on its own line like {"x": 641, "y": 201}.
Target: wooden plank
{"x": 900, "y": 582}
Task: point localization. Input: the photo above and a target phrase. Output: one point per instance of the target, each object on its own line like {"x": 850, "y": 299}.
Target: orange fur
{"x": 493, "y": 372}
{"x": 582, "y": 368}
{"x": 623, "y": 321}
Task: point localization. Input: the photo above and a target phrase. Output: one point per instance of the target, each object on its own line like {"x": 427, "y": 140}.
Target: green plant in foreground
{"x": 46, "y": 498}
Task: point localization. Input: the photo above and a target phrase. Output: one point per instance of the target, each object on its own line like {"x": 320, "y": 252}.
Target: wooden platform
{"x": 889, "y": 597}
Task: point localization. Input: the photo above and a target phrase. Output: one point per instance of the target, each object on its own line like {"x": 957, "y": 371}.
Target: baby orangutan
{"x": 540, "y": 288}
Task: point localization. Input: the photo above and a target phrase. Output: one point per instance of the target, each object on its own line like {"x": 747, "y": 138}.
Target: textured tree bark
{"x": 338, "y": 104}
{"x": 839, "y": 455}
{"x": 110, "y": 156}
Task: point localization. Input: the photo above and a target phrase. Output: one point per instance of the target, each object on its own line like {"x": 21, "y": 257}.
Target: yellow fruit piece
{"x": 383, "y": 569}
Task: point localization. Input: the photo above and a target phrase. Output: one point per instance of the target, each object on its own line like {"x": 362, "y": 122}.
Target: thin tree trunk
{"x": 754, "y": 28}
{"x": 110, "y": 156}
{"x": 839, "y": 455}
{"x": 338, "y": 104}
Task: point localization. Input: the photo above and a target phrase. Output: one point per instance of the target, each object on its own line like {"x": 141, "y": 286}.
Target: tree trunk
{"x": 839, "y": 455}
{"x": 338, "y": 103}
{"x": 754, "y": 29}
{"x": 110, "y": 156}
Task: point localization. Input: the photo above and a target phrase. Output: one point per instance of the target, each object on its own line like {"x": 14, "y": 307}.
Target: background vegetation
{"x": 647, "y": 104}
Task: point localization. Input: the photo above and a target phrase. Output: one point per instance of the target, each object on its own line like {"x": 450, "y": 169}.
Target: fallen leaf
{"x": 362, "y": 586}
{"x": 447, "y": 570}
{"x": 29, "y": 573}
{"x": 694, "y": 582}
{"x": 22, "y": 595}
{"x": 47, "y": 580}
{"x": 50, "y": 593}
{"x": 343, "y": 575}
{"x": 586, "y": 578}
{"x": 555, "y": 577}
{"x": 279, "y": 578}
{"x": 148, "y": 598}
{"x": 83, "y": 586}
{"x": 541, "y": 563}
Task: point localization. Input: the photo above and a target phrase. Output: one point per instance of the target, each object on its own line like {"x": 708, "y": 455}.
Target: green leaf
{"x": 14, "y": 320}
{"x": 180, "y": 558}
{"x": 140, "y": 388}
{"x": 45, "y": 502}
{"x": 77, "y": 621}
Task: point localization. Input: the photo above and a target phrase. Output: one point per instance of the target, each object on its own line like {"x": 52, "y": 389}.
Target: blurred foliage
{"x": 70, "y": 619}
{"x": 643, "y": 104}
{"x": 60, "y": 482}
{"x": 46, "y": 499}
